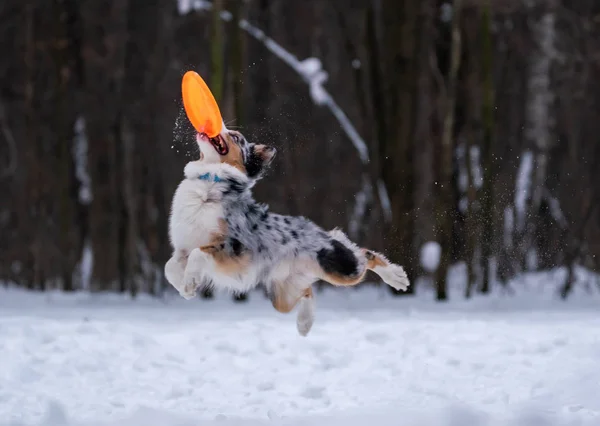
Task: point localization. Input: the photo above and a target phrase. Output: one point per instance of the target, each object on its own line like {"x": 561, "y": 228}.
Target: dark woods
{"x": 481, "y": 119}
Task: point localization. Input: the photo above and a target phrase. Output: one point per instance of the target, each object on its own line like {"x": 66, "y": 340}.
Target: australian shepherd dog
{"x": 223, "y": 238}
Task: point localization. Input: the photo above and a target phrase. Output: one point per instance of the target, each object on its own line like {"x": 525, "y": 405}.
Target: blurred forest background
{"x": 481, "y": 119}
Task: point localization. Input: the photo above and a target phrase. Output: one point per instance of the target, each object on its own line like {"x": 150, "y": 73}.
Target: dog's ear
{"x": 259, "y": 157}
{"x": 265, "y": 153}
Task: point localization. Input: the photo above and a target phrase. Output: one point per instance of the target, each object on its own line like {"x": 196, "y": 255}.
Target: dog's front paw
{"x": 395, "y": 277}
{"x": 189, "y": 288}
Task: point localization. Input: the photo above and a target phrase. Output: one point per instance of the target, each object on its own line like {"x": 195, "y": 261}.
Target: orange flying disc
{"x": 200, "y": 105}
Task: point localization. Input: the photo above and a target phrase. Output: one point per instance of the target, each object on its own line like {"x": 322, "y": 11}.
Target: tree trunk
{"x": 400, "y": 40}
{"x": 487, "y": 191}
{"x": 377, "y": 112}
{"x": 445, "y": 206}
{"x": 539, "y": 122}
{"x": 132, "y": 273}
{"x": 64, "y": 123}
{"x": 472, "y": 134}
{"x": 104, "y": 70}
{"x": 471, "y": 220}
{"x": 32, "y": 264}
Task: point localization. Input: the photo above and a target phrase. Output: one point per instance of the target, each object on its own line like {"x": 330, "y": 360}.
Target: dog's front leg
{"x": 194, "y": 274}
{"x": 174, "y": 270}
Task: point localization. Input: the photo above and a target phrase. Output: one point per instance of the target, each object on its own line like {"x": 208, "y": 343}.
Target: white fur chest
{"x": 197, "y": 208}
{"x": 195, "y": 214}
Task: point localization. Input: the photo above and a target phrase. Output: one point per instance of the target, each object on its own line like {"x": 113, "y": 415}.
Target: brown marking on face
{"x": 234, "y": 157}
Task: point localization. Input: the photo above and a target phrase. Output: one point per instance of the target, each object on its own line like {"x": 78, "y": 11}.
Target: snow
{"x": 431, "y": 252}
{"x": 463, "y": 177}
{"x": 523, "y": 188}
{"x": 555, "y": 210}
{"x": 312, "y": 71}
{"x": 310, "y": 66}
{"x": 531, "y": 259}
{"x": 186, "y": 6}
{"x": 446, "y": 12}
{"x": 371, "y": 359}
{"x": 476, "y": 167}
{"x": 83, "y": 270}
{"x": 384, "y": 198}
{"x": 463, "y": 173}
{"x": 362, "y": 200}
{"x": 509, "y": 226}
{"x": 80, "y": 155}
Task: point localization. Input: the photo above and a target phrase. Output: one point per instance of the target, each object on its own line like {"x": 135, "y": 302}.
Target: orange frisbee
{"x": 200, "y": 105}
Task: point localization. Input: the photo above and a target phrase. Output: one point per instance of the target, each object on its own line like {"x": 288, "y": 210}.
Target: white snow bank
{"x": 455, "y": 416}
{"x": 370, "y": 359}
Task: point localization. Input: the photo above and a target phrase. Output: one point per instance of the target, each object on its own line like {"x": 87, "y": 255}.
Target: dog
{"x": 223, "y": 238}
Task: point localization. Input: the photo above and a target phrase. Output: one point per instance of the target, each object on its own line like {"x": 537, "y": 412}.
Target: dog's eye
{"x": 235, "y": 138}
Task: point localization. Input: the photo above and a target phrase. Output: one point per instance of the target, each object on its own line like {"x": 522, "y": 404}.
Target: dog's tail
{"x": 306, "y": 313}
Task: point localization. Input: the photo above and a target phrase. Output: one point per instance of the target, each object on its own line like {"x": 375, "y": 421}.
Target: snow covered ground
{"x": 88, "y": 360}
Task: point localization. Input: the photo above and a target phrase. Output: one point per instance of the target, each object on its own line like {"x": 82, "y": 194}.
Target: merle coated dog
{"x": 223, "y": 238}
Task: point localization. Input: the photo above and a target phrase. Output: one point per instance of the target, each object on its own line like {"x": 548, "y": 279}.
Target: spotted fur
{"x": 222, "y": 237}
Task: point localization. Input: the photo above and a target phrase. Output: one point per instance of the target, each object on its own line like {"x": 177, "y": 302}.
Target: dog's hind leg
{"x": 286, "y": 294}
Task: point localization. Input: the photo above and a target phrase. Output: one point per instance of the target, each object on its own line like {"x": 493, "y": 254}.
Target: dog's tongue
{"x": 200, "y": 105}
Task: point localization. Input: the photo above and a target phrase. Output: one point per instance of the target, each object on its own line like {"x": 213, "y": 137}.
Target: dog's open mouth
{"x": 218, "y": 144}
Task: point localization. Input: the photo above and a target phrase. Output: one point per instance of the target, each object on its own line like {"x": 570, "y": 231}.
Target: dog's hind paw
{"x": 306, "y": 315}
{"x": 394, "y": 276}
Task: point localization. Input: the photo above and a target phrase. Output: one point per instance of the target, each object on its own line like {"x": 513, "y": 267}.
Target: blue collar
{"x": 208, "y": 177}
